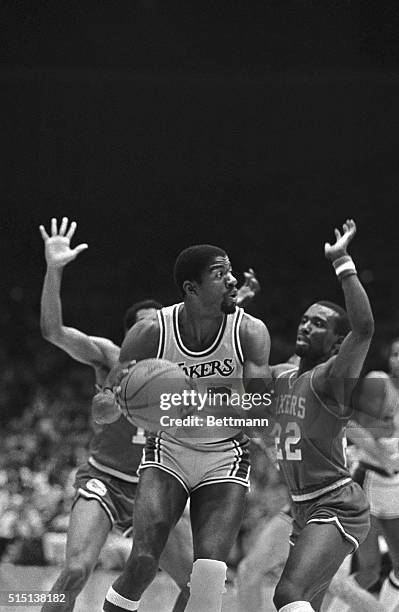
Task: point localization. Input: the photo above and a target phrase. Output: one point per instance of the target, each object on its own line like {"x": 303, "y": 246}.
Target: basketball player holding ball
{"x": 205, "y": 334}
{"x": 106, "y": 484}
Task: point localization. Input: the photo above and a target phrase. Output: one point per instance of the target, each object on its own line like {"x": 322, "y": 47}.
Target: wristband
{"x": 344, "y": 266}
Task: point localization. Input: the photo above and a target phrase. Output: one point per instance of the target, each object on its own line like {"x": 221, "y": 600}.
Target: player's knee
{"x": 142, "y": 565}
{"x": 76, "y": 573}
{"x": 287, "y": 591}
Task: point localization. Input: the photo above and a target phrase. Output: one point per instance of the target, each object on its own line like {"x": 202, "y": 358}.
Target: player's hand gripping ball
{"x": 152, "y": 389}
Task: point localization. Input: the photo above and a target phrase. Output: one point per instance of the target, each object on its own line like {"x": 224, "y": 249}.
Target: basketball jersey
{"x": 310, "y": 437}
{"x": 217, "y": 369}
{"x": 389, "y": 409}
{"x": 116, "y": 449}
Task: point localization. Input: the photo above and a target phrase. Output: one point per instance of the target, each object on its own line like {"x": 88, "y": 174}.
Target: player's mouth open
{"x": 301, "y": 338}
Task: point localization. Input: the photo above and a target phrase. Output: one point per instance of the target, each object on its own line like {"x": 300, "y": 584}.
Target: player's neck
{"x": 307, "y": 364}
{"x": 198, "y": 327}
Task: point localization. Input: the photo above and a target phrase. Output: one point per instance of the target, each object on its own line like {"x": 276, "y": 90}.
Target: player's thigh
{"x": 316, "y": 556}
{"x": 159, "y": 503}
{"x": 216, "y": 512}
{"x": 177, "y": 556}
{"x": 89, "y": 526}
{"x": 390, "y": 529}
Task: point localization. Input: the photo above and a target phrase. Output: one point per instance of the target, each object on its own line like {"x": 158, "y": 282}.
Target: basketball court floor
{"x": 158, "y": 598}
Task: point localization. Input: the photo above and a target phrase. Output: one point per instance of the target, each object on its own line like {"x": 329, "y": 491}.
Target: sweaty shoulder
{"x": 141, "y": 341}
{"x": 254, "y": 337}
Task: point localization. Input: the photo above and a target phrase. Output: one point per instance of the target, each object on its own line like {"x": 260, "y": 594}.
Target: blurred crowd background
{"x": 256, "y": 126}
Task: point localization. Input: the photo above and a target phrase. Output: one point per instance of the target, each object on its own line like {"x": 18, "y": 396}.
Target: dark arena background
{"x": 257, "y": 126}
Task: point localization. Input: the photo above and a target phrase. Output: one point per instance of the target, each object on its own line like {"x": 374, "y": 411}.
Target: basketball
{"x": 144, "y": 386}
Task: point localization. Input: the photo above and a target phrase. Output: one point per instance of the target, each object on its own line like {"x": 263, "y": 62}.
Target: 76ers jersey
{"x": 310, "y": 437}
{"x": 217, "y": 369}
{"x": 116, "y": 449}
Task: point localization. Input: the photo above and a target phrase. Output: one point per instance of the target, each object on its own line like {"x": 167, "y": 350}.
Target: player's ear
{"x": 189, "y": 288}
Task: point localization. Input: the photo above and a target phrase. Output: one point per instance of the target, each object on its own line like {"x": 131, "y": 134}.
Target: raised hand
{"x": 57, "y": 248}
{"x": 334, "y": 251}
{"x": 249, "y": 289}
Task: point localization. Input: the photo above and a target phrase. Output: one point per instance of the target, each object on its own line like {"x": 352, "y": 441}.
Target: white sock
{"x": 297, "y": 606}
{"x": 115, "y": 602}
{"x": 389, "y": 595}
{"x": 206, "y": 586}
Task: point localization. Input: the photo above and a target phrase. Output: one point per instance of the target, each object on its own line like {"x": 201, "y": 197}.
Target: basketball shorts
{"x": 195, "y": 466}
{"x": 115, "y": 496}
{"x": 346, "y": 508}
{"x": 381, "y": 489}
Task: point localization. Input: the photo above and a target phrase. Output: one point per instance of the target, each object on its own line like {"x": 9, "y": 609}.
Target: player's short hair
{"x": 193, "y": 261}
{"x": 130, "y": 315}
{"x": 342, "y": 325}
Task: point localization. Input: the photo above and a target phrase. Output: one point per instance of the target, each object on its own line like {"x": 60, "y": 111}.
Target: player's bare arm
{"x": 372, "y": 396}
{"x": 255, "y": 344}
{"x": 141, "y": 342}
{"x": 349, "y": 361}
{"x": 363, "y": 438}
{"x": 100, "y": 353}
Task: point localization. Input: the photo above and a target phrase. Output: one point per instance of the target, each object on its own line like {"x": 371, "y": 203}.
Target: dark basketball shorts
{"x": 346, "y": 507}
{"x": 116, "y": 496}
{"x": 195, "y": 466}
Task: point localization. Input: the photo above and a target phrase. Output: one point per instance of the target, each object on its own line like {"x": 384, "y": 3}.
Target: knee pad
{"x": 207, "y": 585}
{"x": 297, "y": 606}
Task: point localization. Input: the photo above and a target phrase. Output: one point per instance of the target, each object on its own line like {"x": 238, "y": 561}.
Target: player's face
{"x": 146, "y": 313}
{"x": 218, "y": 287}
{"x": 394, "y": 359}
{"x": 316, "y": 336}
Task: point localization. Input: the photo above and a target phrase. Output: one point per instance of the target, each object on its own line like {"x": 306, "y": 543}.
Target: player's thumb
{"x": 80, "y": 248}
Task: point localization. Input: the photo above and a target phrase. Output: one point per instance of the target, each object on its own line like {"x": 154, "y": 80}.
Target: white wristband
{"x": 348, "y": 266}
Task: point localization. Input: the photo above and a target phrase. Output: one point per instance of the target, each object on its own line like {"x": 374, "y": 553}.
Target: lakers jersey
{"x": 216, "y": 371}
{"x": 116, "y": 449}
{"x": 310, "y": 437}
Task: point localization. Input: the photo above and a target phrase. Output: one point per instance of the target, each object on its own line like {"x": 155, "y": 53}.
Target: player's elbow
{"x": 49, "y": 331}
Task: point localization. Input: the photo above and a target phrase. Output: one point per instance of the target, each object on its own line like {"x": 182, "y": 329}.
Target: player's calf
{"x": 71, "y": 581}
{"x": 290, "y": 593}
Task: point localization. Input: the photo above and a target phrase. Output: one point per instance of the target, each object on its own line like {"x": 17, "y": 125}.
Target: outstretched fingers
{"x": 53, "y": 226}
{"x": 71, "y": 230}
{"x": 43, "y": 232}
{"x": 63, "y": 226}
